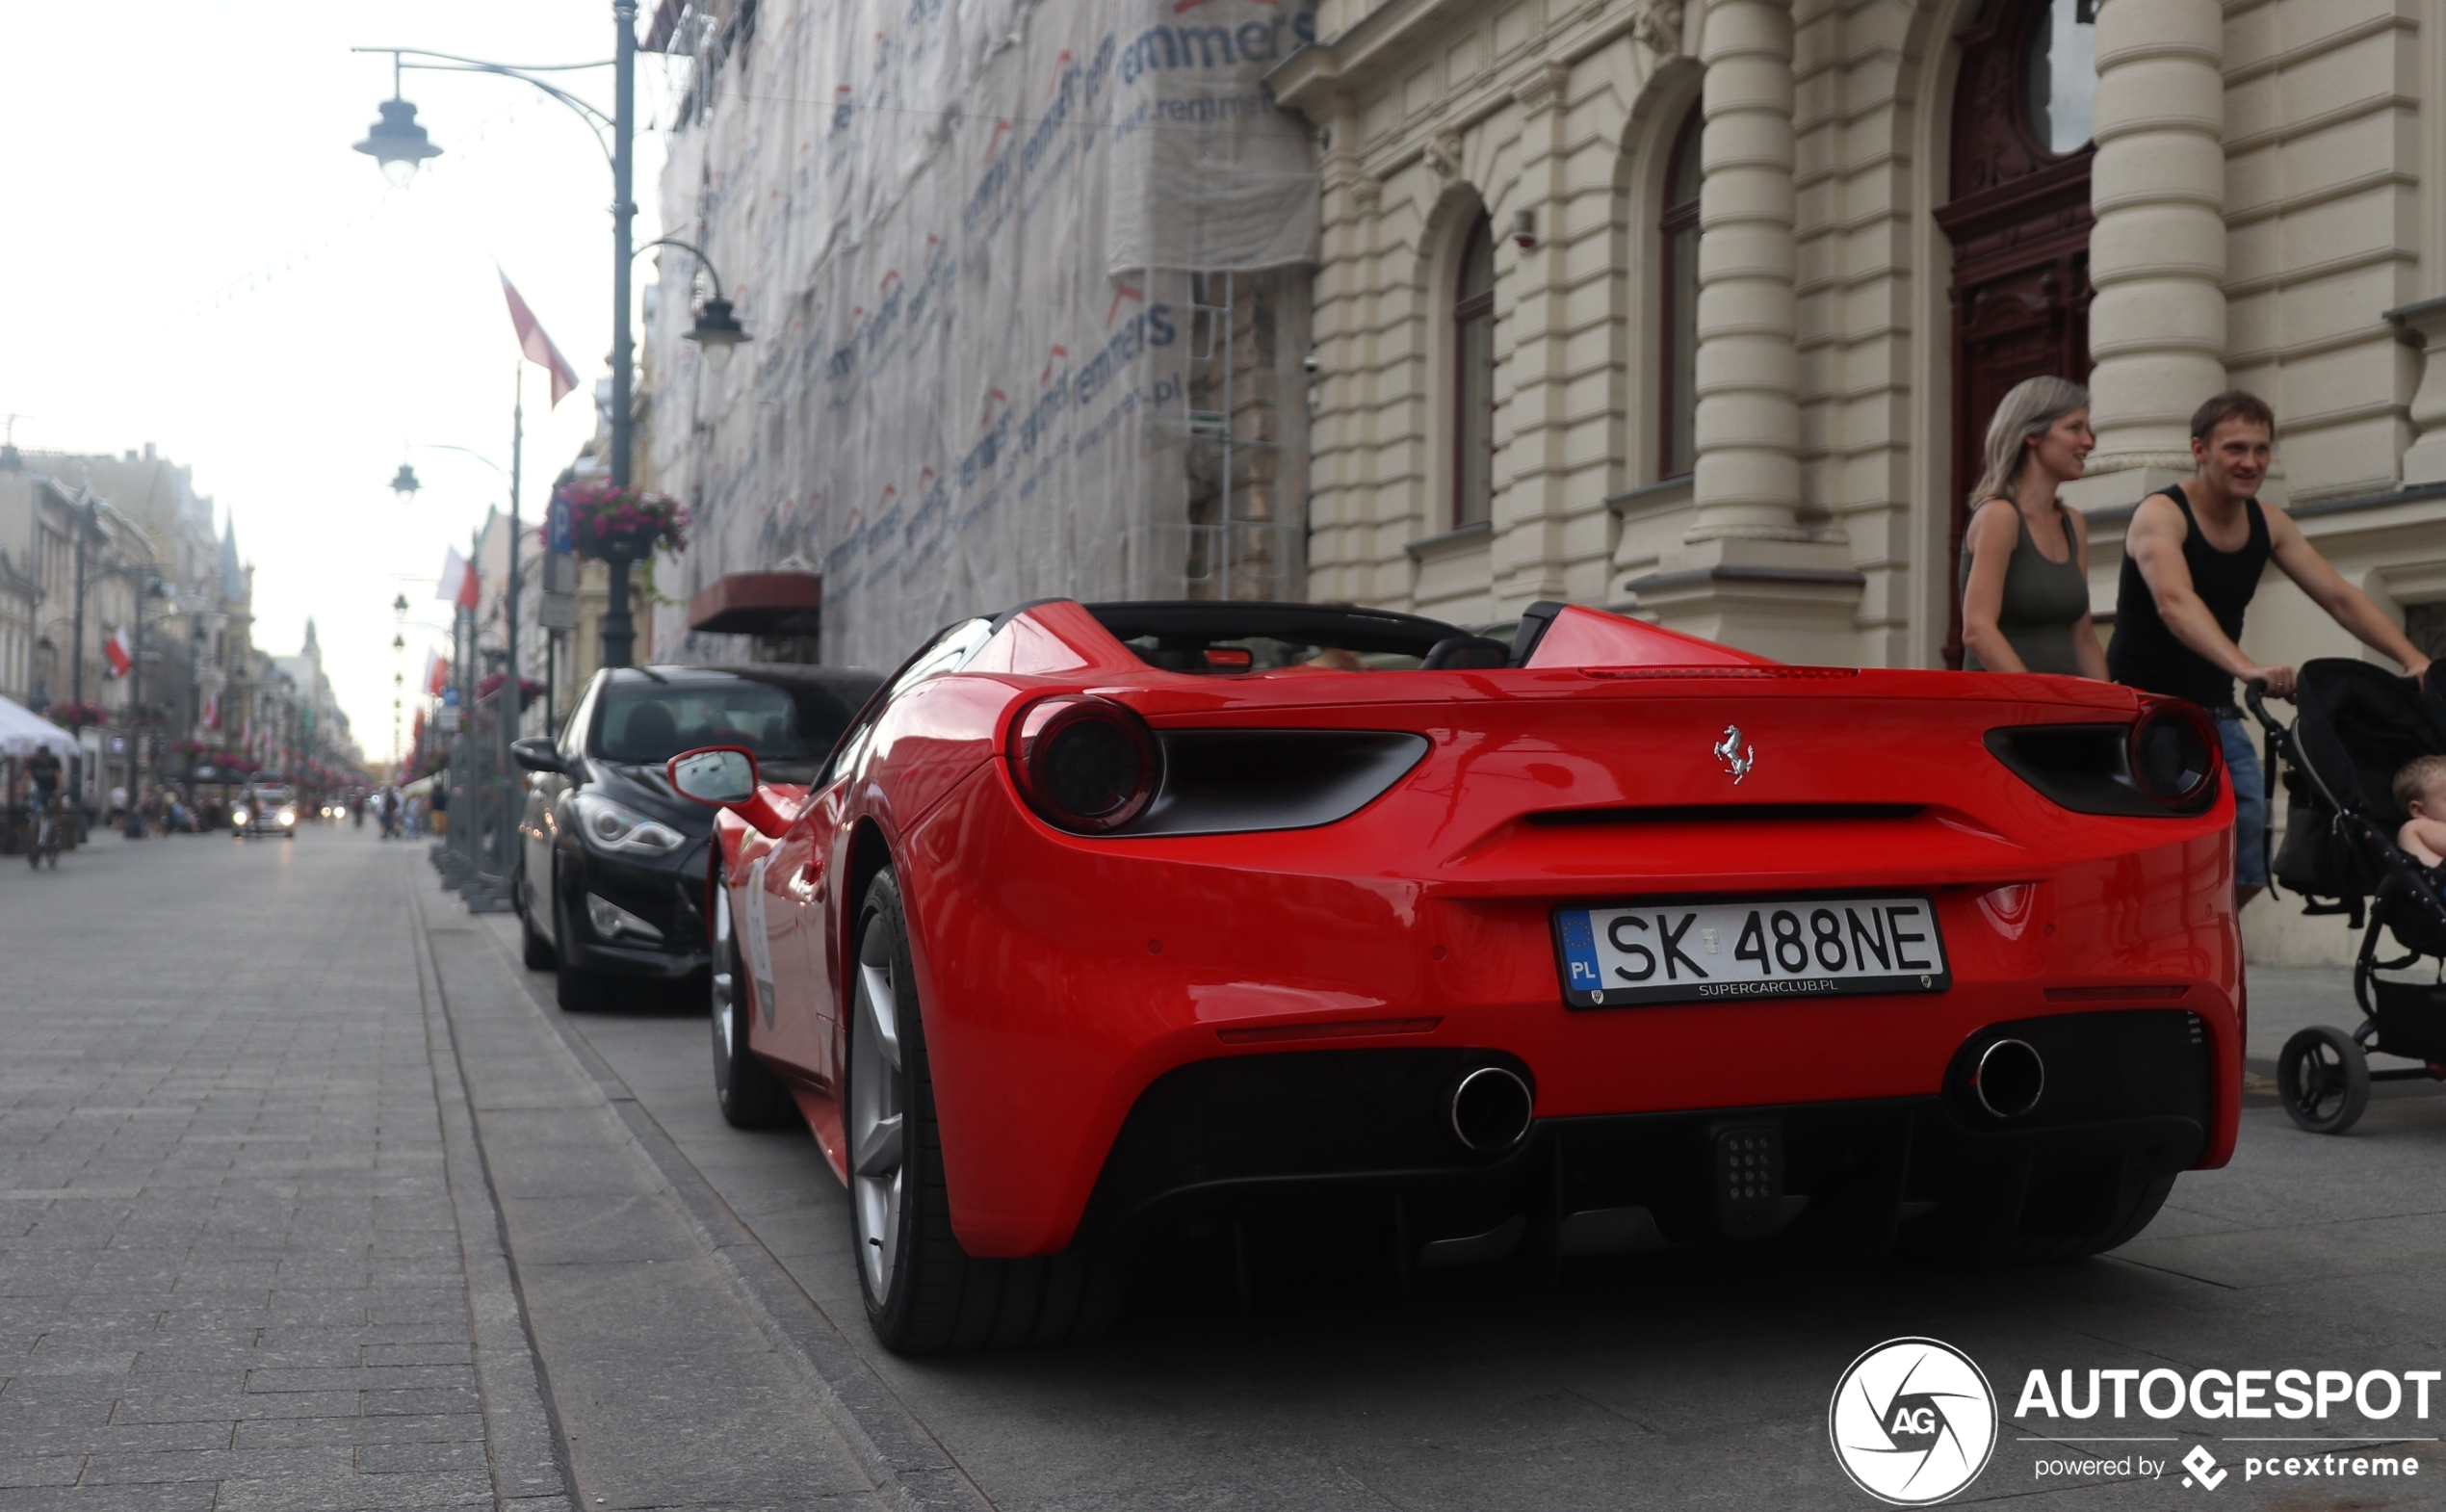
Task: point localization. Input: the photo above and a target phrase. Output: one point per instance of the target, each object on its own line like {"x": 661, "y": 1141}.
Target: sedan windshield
{"x": 650, "y": 725}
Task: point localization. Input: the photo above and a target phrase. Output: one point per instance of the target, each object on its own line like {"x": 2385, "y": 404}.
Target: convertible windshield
{"x": 1205, "y": 637}
{"x": 652, "y": 724}
{"x": 1263, "y": 653}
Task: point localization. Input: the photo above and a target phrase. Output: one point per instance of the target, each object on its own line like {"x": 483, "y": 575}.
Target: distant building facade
{"x": 130, "y": 532}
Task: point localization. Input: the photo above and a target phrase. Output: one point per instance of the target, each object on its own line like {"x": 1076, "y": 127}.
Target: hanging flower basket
{"x": 613, "y": 524}
{"x": 76, "y": 716}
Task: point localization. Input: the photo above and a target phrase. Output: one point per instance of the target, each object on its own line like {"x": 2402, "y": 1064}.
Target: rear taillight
{"x": 1085, "y": 763}
{"x": 2164, "y": 762}
{"x": 2172, "y": 752}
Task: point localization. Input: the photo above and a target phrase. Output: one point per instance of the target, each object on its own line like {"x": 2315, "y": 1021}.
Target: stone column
{"x": 1749, "y": 573}
{"x": 1531, "y": 499}
{"x": 1748, "y": 480}
{"x": 2157, "y": 256}
{"x": 2424, "y": 462}
{"x": 1342, "y": 509}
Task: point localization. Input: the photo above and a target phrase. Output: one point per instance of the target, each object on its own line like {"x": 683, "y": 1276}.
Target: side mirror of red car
{"x": 724, "y": 776}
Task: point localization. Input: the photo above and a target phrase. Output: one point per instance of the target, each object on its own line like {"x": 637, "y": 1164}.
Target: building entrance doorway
{"x": 2018, "y": 216}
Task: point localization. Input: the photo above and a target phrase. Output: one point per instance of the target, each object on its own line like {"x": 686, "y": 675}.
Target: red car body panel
{"x": 1061, "y": 975}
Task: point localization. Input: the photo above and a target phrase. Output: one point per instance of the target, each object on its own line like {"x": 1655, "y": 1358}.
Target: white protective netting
{"x": 968, "y": 236}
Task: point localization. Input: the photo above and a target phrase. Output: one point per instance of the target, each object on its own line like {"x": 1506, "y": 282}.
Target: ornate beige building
{"x": 1699, "y": 309}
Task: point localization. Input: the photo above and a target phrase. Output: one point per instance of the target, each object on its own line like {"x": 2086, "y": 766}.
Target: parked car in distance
{"x": 612, "y": 878}
{"x": 264, "y": 808}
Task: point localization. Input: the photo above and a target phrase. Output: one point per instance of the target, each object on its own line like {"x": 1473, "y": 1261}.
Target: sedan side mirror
{"x": 535, "y": 753}
{"x": 724, "y": 776}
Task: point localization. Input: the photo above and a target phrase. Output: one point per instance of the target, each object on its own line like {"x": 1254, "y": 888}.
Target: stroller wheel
{"x": 2322, "y": 1079}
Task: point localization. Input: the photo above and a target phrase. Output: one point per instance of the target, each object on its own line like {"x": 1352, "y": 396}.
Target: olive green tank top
{"x": 2042, "y": 601}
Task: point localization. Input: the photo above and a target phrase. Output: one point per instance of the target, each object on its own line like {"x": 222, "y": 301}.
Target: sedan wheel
{"x": 750, "y": 1094}
{"x": 924, "y": 1293}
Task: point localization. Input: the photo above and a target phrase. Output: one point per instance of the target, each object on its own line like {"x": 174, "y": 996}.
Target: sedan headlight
{"x": 615, "y": 827}
{"x": 288, "y": 816}
{"x": 238, "y": 816}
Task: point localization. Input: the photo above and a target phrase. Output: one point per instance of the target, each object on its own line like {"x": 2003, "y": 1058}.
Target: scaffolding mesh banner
{"x": 974, "y": 240}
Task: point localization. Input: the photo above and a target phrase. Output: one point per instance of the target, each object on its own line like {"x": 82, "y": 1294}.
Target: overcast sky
{"x": 196, "y": 260}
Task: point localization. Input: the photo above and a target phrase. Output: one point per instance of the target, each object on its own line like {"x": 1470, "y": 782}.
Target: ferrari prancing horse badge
{"x": 1737, "y": 757}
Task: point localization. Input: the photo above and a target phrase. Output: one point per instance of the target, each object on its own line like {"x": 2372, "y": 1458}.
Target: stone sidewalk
{"x": 230, "y": 1262}
{"x": 253, "y": 1255}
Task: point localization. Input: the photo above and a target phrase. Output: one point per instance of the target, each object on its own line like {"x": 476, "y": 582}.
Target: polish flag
{"x": 436, "y": 674}
{"x": 537, "y": 346}
{"x": 460, "y": 583}
{"x": 212, "y": 710}
{"x": 120, "y": 650}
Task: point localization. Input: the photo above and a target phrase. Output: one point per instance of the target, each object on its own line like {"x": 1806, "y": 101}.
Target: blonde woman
{"x": 2025, "y": 579}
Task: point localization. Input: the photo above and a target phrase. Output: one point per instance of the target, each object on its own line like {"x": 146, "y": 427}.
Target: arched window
{"x": 1474, "y": 378}
{"x": 1678, "y": 262}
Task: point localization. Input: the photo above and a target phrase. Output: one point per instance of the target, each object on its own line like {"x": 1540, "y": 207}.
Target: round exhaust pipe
{"x": 1487, "y": 1109}
{"x": 2008, "y": 1077}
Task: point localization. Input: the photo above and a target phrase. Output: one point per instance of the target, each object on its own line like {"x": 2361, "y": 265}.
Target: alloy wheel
{"x": 725, "y": 985}
{"x": 877, "y": 1157}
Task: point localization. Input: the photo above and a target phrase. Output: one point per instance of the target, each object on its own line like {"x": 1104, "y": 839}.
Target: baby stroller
{"x": 2356, "y": 727}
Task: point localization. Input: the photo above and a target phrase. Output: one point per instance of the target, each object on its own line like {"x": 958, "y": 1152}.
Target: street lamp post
{"x": 153, "y": 588}
{"x": 399, "y": 145}
{"x": 405, "y": 484}
{"x": 619, "y": 635}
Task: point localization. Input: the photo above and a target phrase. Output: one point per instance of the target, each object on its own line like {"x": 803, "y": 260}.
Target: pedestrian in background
{"x": 2192, "y": 559}
{"x": 2026, "y": 558}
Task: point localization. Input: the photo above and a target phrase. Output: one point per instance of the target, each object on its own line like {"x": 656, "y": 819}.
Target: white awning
{"x": 23, "y": 732}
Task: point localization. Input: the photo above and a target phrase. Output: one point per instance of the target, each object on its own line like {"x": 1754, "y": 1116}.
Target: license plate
{"x": 1702, "y": 952}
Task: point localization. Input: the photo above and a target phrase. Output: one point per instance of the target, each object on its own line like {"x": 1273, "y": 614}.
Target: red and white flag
{"x": 460, "y": 583}
{"x": 537, "y": 346}
{"x": 120, "y": 650}
{"x": 212, "y": 710}
{"x": 436, "y": 674}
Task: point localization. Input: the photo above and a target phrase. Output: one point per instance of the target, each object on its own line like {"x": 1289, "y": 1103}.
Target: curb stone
{"x": 908, "y": 1464}
{"x": 522, "y": 1430}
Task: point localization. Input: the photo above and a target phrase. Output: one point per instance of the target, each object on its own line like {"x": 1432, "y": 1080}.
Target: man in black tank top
{"x": 2192, "y": 559}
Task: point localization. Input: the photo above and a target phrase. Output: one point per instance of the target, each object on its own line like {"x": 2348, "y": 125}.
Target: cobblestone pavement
{"x": 251, "y": 1252}
{"x": 310, "y": 1199}
{"x": 231, "y": 1275}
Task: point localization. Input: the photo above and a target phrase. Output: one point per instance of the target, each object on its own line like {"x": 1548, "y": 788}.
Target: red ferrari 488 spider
{"x": 1114, "y": 925}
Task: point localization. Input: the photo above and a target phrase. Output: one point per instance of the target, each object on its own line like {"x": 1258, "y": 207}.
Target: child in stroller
{"x": 2420, "y": 791}
{"x": 2347, "y": 849}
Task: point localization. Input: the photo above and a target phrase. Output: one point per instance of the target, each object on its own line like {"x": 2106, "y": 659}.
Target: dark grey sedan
{"x": 612, "y": 874}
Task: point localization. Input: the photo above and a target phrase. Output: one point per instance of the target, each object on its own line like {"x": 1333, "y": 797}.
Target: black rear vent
{"x": 2084, "y": 768}
{"x": 1731, "y": 814}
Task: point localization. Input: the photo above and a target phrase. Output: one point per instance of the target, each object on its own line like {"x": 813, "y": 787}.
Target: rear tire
{"x": 2323, "y": 1080}
{"x": 924, "y": 1293}
{"x": 748, "y": 1093}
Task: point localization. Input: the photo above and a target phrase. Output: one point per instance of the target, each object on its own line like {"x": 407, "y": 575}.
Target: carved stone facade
{"x": 1891, "y": 232}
